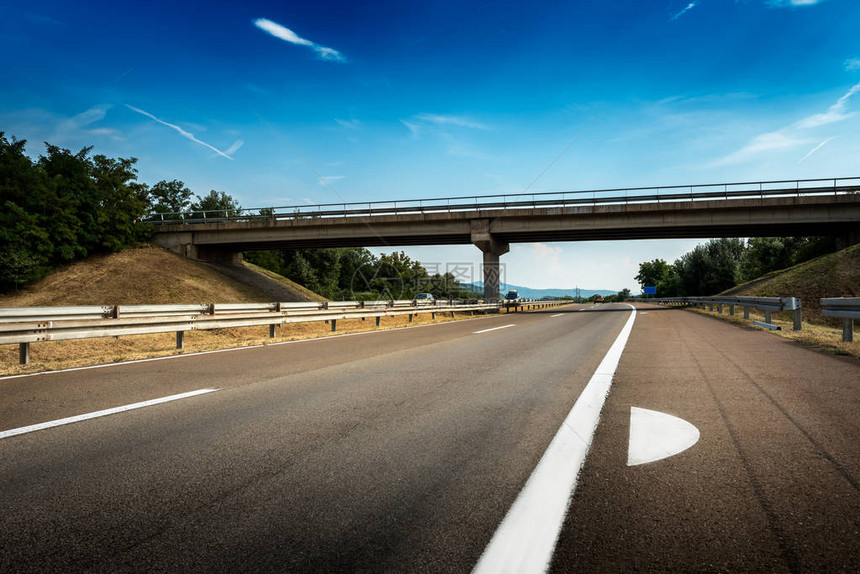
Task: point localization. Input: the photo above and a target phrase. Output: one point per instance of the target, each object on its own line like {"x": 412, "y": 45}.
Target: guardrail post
{"x": 746, "y": 312}
{"x": 272, "y": 331}
{"x": 848, "y": 329}
{"x": 720, "y": 308}
{"x": 767, "y": 317}
{"x": 731, "y": 310}
{"x": 24, "y": 353}
{"x": 411, "y": 317}
{"x": 333, "y": 325}
{"x": 378, "y": 319}
{"x": 433, "y": 315}
{"x": 180, "y": 339}
{"x": 712, "y": 306}
{"x": 798, "y": 324}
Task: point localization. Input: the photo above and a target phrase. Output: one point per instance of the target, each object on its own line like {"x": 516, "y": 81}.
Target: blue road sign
{"x": 650, "y": 290}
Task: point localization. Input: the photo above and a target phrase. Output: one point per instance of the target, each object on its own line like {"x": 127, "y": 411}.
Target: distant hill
{"x": 833, "y": 275}
{"x": 529, "y": 293}
{"x": 150, "y": 274}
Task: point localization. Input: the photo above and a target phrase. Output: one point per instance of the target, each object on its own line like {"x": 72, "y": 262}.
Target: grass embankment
{"x": 833, "y": 275}
{"x": 153, "y": 275}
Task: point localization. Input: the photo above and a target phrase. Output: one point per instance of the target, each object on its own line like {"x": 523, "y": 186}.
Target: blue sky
{"x": 408, "y": 99}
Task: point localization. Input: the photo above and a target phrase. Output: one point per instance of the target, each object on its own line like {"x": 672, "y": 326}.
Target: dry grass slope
{"x": 833, "y": 275}
{"x": 146, "y": 274}
{"x": 150, "y": 274}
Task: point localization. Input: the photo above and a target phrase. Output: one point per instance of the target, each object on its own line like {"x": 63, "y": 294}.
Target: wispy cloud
{"x": 235, "y": 147}
{"x": 689, "y": 7}
{"x": 287, "y": 35}
{"x": 80, "y": 124}
{"x": 835, "y": 113}
{"x": 793, "y": 135}
{"x": 186, "y": 134}
{"x": 456, "y": 121}
{"x": 792, "y": 3}
{"x": 813, "y": 150}
{"x": 852, "y": 64}
{"x": 349, "y": 124}
{"x": 326, "y": 180}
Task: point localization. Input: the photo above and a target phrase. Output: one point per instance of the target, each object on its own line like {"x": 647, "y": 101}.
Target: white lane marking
{"x": 493, "y": 329}
{"x": 106, "y": 412}
{"x": 556, "y": 315}
{"x": 525, "y": 540}
{"x": 655, "y": 436}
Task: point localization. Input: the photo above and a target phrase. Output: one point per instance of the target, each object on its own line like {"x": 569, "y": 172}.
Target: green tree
{"x": 219, "y": 203}
{"x": 122, "y": 200}
{"x": 170, "y": 197}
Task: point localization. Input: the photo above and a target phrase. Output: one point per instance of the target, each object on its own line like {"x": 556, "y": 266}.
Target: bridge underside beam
{"x": 834, "y": 216}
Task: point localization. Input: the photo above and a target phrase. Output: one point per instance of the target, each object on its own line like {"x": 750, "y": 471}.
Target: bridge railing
{"x": 26, "y": 325}
{"x": 766, "y": 304}
{"x": 624, "y": 196}
{"x": 847, "y": 308}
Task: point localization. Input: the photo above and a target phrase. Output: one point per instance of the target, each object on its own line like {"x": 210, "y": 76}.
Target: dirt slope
{"x": 833, "y": 275}
{"x": 150, "y": 274}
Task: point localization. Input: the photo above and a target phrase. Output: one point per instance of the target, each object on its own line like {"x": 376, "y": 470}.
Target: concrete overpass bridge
{"x": 491, "y": 223}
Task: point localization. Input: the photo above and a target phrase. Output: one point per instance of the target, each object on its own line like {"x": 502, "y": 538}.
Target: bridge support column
{"x": 492, "y": 249}
{"x": 848, "y": 239}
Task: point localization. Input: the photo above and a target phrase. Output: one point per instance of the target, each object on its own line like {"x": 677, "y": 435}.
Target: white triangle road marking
{"x": 655, "y": 436}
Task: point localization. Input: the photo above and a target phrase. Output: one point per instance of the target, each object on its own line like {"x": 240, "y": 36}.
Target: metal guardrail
{"x": 766, "y": 304}
{"x": 26, "y": 325}
{"x": 719, "y": 191}
{"x": 847, "y": 308}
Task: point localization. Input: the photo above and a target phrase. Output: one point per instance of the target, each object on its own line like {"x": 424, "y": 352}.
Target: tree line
{"x": 720, "y": 264}
{"x": 65, "y": 206}
{"x": 354, "y": 273}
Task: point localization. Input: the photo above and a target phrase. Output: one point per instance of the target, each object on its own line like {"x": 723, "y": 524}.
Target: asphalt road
{"x": 403, "y": 451}
{"x": 398, "y": 450}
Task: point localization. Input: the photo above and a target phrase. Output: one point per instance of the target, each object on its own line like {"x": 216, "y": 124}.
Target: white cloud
{"x": 349, "y": 124}
{"x": 793, "y": 135}
{"x": 288, "y": 35}
{"x": 456, "y": 121}
{"x": 852, "y": 64}
{"x": 835, "y": 113}
{"x": 183, "y": 133}
{"x": 689, "y": 7}
{"x": 235, "y": 147}
{"x": 412, "y": 127}
{"x": 326, "y": 180}
{"x": 760, "y": 143}
{"x": 813, "y": 150}
{"x": 791, "y": 3}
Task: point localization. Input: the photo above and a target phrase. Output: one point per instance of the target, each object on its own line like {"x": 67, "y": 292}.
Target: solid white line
{"x": 494, "y": 329}
{"x": 79, "y": 418}
{"x": 525, "y": 540}
{"x": 558, "y": 315}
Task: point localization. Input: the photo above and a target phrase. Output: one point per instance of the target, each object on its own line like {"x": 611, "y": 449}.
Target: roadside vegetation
{"x": 831, "y": 275}
{"x": 722, "y": 264}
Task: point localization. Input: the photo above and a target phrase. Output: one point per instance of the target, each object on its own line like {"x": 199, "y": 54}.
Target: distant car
{"x": 423, "y": 299}
{"x": 598, "y": 298}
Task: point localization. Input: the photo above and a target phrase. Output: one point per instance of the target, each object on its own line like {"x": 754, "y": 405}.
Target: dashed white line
{"x": 557, "y": 315}
{"x": 526, "y": 538}
{"x": 494, "y": 329}
{"x": 106, "y": 412}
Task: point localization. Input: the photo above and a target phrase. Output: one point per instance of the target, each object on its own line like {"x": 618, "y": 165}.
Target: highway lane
{"x": 772, "y": 483}
{"x": 395, "y": 450}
